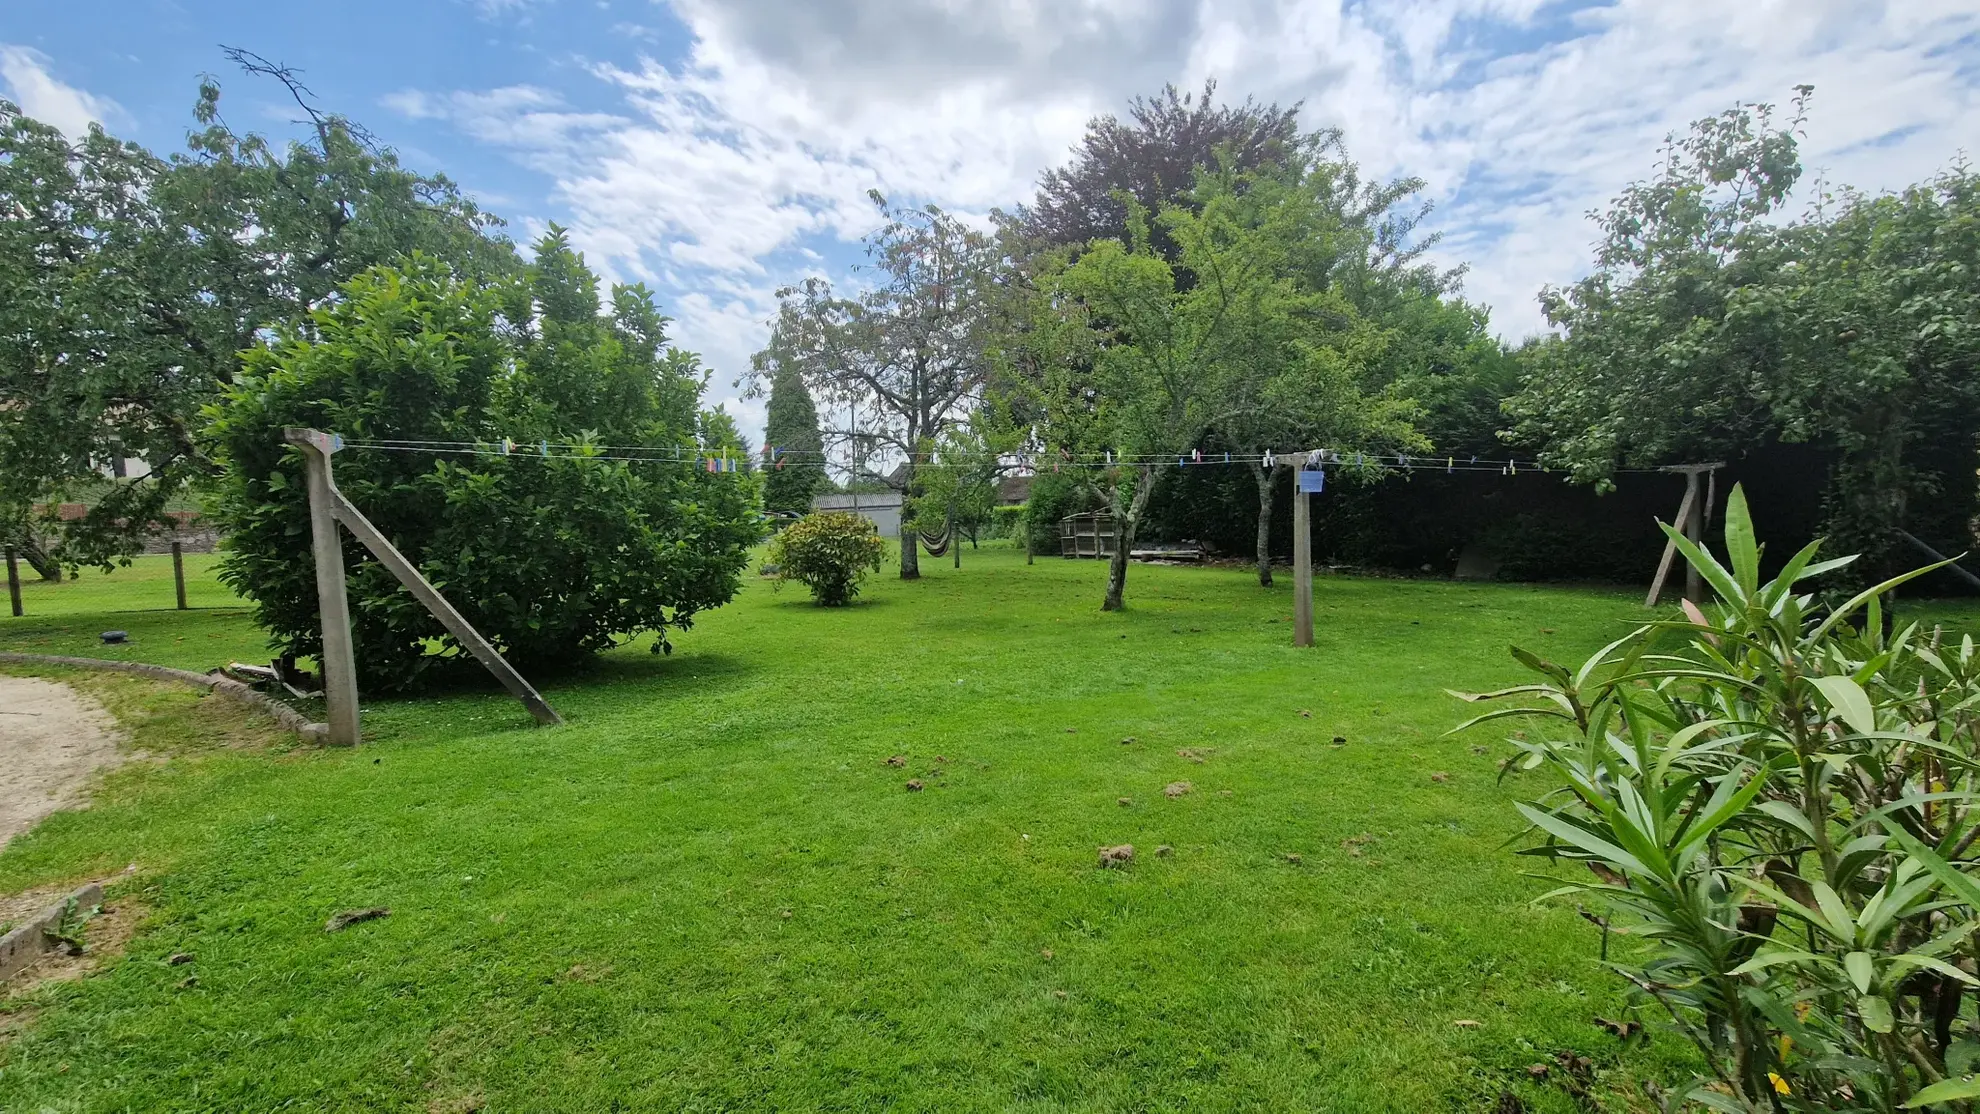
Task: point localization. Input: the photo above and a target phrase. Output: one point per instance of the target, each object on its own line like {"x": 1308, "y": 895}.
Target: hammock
{"x": 937, "y": 545}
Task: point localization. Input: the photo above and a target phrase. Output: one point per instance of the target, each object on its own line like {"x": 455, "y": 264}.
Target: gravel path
{"x": 51, "y": 740}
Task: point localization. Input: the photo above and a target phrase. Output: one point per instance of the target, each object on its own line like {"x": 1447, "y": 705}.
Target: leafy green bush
{"x": 1006, "y": 522}
{"x": 829, "y": 552}
{"x": 551, "y": 557}
{"x": 1781, "y": 806}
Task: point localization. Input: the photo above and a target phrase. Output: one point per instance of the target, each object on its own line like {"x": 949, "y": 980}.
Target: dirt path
{"x": 51, "y": 739}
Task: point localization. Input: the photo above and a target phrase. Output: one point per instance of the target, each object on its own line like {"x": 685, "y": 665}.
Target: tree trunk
{"x": 38, "y": 558}
{"x": 1028, "y": 559}
{"x": 1126, "y": 521}
{"x": 910, "y": 545}
{"x": 1264, "y": 476}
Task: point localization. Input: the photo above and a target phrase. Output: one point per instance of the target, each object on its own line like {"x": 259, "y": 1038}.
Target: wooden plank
{"x": 1670, "y": 548}
{"x": 340, "y": 694}
{"x": 1952, "y": 564}
{"x": 463, "y": 632}
{"x": 1302, "y": 570}
{"x": 1694, "y": 529}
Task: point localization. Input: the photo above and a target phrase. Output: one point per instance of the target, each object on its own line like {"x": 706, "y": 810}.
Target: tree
{"x": 909, "y": 358}
{"x": 129, "y": 284}
{"x": 1708, "y": 326}
{"x": 1152, "y": 161}
{"x": 1342, "y": 245}
{"x": 1151, "y": 362}
{"x": 796, "y": 449}
{"x": 552, "y": 546}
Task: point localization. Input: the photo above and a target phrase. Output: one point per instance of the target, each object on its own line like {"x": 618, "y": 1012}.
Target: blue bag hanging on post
{"x": 1312, "y": 481}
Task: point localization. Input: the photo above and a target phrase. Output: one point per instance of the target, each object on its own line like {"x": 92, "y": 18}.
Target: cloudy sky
{"x": 717, "y": 150}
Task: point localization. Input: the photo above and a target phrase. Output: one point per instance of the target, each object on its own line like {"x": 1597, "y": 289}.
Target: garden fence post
{"x": 179, "y": 572}
{"x": 1302, "y": 568}
{"x": 340, "y": 695}
{"x": 14, "y": 581}
{"x": 1694, "y": 532}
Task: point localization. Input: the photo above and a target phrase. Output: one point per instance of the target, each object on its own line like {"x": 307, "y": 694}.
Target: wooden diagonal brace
{"x": 463, "y": 632}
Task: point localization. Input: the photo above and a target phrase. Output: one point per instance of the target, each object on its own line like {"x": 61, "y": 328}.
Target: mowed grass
{"x": 709, "y": 892}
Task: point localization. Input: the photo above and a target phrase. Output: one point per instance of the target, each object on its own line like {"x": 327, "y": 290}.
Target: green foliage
{"x": 550, "y": 558}
{"x": 829, "y": 552}
{"x": 1709, "y": 327}
{"x": 1008, "y": 522}
{"x": 1251, "y": 332}
{"x": 791, "y": 427}
{"x": 130, "y": 283}
{"x": 1782, "y": 806}
{"x": 1151, "y": 160}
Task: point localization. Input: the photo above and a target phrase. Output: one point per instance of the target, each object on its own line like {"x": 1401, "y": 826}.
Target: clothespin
{"x": 1196, "y": 455}
{"x": 1512, "y": 467}
{"x": 1110, "y": 458}
{"x": 543, "y": 447}
{"x": 1450, "y": 464}
{"x": 1227, "y": 458}
{"x": 1267, "y": 462}
{"x": 1313, "y": 458}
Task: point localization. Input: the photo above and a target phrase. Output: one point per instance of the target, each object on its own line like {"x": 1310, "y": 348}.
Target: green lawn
{"x": 708, "y": 891}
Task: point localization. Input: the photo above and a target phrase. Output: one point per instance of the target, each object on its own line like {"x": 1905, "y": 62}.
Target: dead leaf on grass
{"x": 349, "y": 917}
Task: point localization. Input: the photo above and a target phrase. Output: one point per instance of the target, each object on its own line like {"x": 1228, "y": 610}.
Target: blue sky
{"x": 718, "y": 150}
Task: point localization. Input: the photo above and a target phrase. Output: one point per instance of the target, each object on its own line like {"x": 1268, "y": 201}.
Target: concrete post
{"x": 340, "y": 694}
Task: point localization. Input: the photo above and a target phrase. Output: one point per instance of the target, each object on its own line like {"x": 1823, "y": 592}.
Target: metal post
{"x": 1302, "y": 568}
{"x": 14, "y": 582}
{"x": 179, "y": 572}
{"x": 340, "y": 693}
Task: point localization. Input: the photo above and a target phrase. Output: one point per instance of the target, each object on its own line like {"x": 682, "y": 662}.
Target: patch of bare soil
{"x": 51, "y": 740}
{"x": 104, "y": 934}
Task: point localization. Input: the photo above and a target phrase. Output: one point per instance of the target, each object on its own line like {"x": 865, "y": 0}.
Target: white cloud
{"x": 718, "y": 176}
{"x": 24, "y": 70}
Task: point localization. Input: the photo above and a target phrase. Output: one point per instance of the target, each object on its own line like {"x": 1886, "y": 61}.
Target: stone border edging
{"x": 261, "y": 702}
{"x": 29, "y": 940}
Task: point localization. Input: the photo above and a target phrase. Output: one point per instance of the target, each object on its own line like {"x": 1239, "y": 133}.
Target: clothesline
{"x": 731, "y": 460}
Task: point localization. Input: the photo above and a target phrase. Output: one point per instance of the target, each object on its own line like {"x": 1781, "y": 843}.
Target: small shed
{"x": 1087, "y": 535}
{"x": 882, "y": 508}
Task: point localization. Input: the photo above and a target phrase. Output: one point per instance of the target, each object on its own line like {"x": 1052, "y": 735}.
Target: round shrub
{"x": 830, "y": 553}
{"x": 551, "y": 555}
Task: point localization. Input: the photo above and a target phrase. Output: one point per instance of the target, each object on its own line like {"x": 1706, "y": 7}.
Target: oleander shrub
{"x": 1777, "y": 799}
